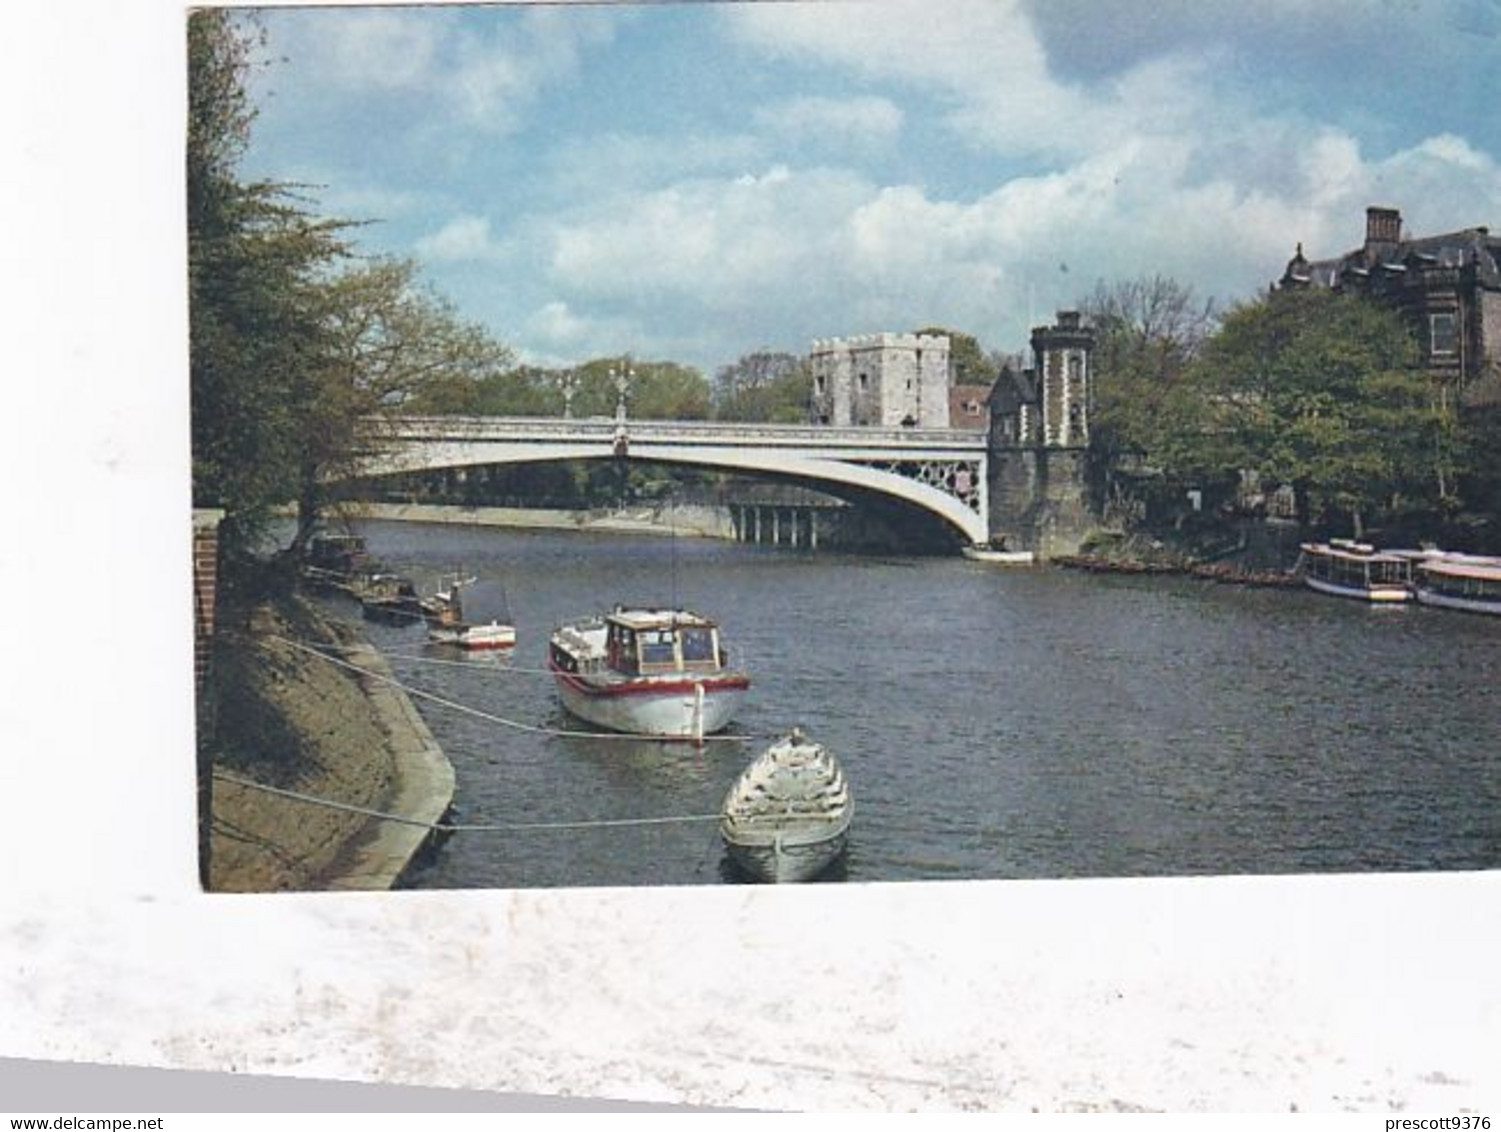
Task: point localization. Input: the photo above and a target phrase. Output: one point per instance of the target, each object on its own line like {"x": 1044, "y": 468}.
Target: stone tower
{"x": 1039, "y": 443}
{"x": 881, "y": 380}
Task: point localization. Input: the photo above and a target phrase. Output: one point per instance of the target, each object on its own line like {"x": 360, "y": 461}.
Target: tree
{"x": 969, "y": 363}
{"x": 1149, "y": 330}
{"x": 379, "y": 344}
{"x": 763, "y": 386}
{"x": 1321, "y": 391}
{"x": 253, "y": 256}
{"x": 296, "y": 344}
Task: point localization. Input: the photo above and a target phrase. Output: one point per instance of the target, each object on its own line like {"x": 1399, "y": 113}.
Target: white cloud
{"x": 489, "y": 74}
{"x": 834, "y": 120}
{"x": 462, "y": 239}
{"x": 364, "y": 48}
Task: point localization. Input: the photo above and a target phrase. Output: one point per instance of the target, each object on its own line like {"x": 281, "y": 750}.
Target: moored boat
{"x": 787, "y": 817}
{"x": 1345, "y": 568}
{"x": 336, "y": 560}
{"x": 1468, "y": 582}
{"x": 390, "y": 598}
{"x": 999, "y": 555}
{"x": 656, "y": 672}
{"x": 469, "y": 614}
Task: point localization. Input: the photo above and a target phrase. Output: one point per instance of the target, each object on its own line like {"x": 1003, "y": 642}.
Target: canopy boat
{"x": 391, "y": 598}
{"x": 1470, "y": 582}
{"x": 336, "y": 560}
{"x": 787, "y": 816}
{"x": 476, "y": 619}
{"x": 1346, "y": 568}
{"x": 657, "y": 672}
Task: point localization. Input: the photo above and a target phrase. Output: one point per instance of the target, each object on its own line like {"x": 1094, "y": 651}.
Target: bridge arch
{"x": 867, "y": 462}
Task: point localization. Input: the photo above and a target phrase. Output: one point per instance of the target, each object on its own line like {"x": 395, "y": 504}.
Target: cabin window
{"x": 621, "y": 649}
{"x": 656, "y": 647}
{"x": 698, "y": 645}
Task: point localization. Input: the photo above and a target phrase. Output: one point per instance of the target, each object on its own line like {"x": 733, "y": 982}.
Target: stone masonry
{"x": 881, "y": 380}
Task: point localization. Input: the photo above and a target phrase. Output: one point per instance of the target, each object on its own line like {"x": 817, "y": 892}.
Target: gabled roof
{"x": 1469, "y": 247}
{"x": 1012, "y": 389}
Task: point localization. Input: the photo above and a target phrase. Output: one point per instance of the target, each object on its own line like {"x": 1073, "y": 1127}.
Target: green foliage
{"x": 1149, "y": 331}
{"x": 295, "y": 343}
{"x": 1321, "y": 391}
{"x": 969, "y": 364}
{"x": 254, "y": 262}
{"x": 765, "y": 386}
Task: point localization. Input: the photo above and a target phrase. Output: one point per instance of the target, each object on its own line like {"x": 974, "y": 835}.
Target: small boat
{"x": 787, "y": 817}
{"x": 335, "y": 560}
{"x": 657, "y": 672}
{"x": 1346, "y": 568}
{"x": 998, "y": 554}
{"x": 1469, "y": 582}
{"x": 470, "y": 614}
{"x": 390, "y": 598}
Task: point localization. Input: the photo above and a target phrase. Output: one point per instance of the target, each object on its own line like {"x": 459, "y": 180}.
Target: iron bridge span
{"x": 940, "y": 470}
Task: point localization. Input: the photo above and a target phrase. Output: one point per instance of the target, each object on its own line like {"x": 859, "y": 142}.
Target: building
{"x": 881, "y": 380}
{"x": 1449, "y": 287}
{"x": 1040, "y": 498}
{"x": 968, "y": 407}
{"x": 1049, "y": 404}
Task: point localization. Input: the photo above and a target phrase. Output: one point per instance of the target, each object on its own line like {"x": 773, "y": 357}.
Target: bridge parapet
{"x": 605, "y": 429}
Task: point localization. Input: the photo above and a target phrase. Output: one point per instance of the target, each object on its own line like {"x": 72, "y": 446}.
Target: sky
{"x": 696, "y": 181}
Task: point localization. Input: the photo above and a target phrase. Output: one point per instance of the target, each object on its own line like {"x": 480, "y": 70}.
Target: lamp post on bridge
{"x": 568, "y": 384}
{"x": 622, "y": 379}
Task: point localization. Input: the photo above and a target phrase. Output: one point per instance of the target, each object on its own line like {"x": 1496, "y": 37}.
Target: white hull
{"x": 675, "y": 714}
{"x": 474, "y": 636}
{"x": 1381, "y": 594}
{"x": 1000, "y": 557}
{"x": 789, "y": 861}
{"x": 1447, "y": 601}
{"x": 787, "y": 817}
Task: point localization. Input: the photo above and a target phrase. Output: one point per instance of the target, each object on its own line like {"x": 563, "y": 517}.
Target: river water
{"x": 993, "y": 722}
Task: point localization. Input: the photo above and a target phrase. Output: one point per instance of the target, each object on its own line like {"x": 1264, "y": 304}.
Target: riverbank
{"x": 685, "y": 520}
{"x": 291, "y": 720}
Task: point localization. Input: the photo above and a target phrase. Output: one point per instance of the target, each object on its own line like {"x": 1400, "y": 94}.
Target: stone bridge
{"x": 942, "y": 471}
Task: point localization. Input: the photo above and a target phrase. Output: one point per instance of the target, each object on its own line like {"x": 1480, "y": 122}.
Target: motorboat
{"x": 1346, "y": 568}
{"x": 787, "y": 817}
{"x": 470, "y": 614}
{"x": 391, "y": 598}
{"x": 639, "y": 671}
{"x": 335, "y": 560}
{"x": 1468, "y": 582}
{"x": 999, "y": 555}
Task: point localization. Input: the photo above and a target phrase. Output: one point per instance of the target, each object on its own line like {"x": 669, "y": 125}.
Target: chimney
{"x": 1383, "y": 228}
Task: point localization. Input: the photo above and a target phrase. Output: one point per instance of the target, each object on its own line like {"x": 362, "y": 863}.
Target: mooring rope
{"x": 501, "y": 720}
{"x": 459, "y": 827}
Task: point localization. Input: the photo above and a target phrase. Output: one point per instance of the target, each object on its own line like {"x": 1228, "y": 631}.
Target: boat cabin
{"x": 1470, "y": 579}
{"x": 1354, "y": 566}
{"x": 645, "y": 642}
{"x": 345, "y": 553}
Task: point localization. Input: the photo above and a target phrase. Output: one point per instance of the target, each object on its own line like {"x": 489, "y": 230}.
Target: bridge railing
{"x": 604, "y": 429}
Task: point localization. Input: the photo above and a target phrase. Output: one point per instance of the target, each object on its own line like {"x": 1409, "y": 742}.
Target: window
{"x": 864, "y": 382}
{"x": 656, "y": 646}
{"x": 1442, "y": 336}
{"x": 698, "y": 645}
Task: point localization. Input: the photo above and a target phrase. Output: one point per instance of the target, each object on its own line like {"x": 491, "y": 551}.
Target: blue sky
{"x": 694, "y": 181}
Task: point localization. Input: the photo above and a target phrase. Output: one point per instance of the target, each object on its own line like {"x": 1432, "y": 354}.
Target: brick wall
{"x": 205, "y": 589}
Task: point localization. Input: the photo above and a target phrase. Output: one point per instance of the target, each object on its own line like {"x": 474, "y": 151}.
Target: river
{"x": 993, "y": 722}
